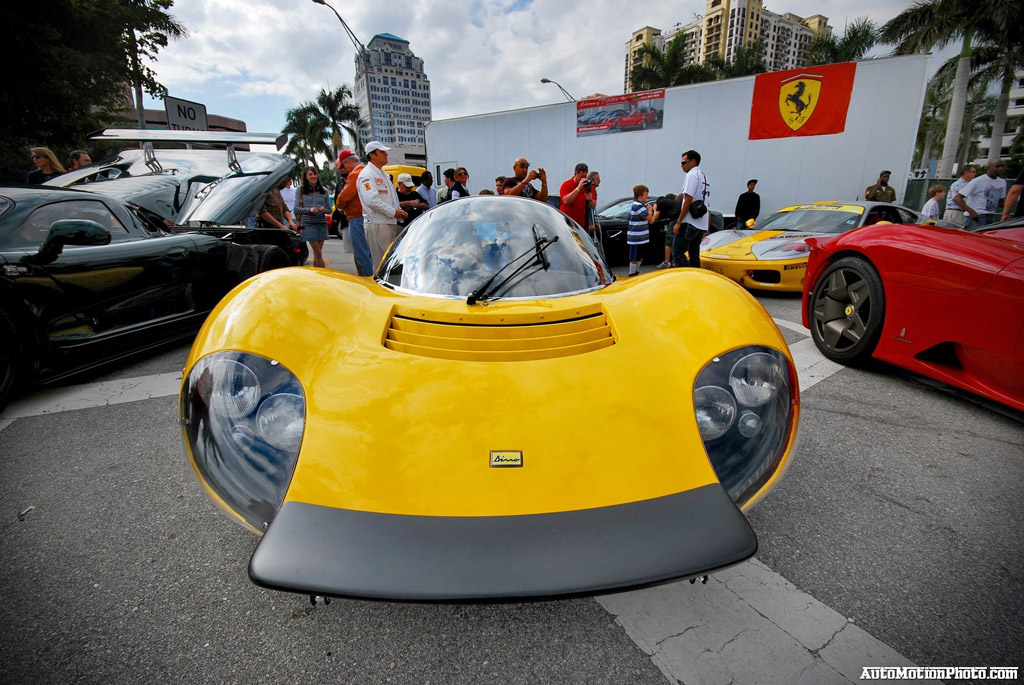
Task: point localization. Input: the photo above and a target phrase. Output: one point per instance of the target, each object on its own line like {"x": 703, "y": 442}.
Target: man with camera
{"x": 519, "y": 185}
{"x": 692, "y": 224}
{"x": 573, "y": 195}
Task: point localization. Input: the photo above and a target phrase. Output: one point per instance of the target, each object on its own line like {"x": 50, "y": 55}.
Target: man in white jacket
{"x": 380, "y": 202}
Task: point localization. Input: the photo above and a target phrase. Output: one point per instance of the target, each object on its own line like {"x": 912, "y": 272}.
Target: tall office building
{"x": 398, "y": 97}
{"x": 729, "y": 24}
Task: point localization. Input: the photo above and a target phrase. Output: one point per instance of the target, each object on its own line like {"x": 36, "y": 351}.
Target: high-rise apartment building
{"x": 729, "y": 24}
{"x": 398, "y": 97}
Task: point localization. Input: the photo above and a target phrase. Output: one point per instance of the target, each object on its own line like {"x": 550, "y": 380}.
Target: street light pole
{"x": 568, "y": 97}
{"x": 361, "y": 52}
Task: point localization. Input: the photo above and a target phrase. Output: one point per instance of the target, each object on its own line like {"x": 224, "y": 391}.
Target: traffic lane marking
{"x": 747, "y": 625}
{"x": 91, "y": 395}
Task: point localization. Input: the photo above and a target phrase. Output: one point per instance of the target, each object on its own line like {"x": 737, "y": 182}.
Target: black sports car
{"x": 88, "y": 276}
{"x": 614, "y": 220}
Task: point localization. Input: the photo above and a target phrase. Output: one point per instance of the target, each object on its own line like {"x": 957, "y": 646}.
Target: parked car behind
{"x": 88, "y": 276}
{"x": 614, "y": 220}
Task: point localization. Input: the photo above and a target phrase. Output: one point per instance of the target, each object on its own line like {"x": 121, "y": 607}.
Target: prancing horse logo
{"x": 798, "y": 98}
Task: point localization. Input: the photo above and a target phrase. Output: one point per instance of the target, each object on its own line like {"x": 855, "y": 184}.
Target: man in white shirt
{"x": 380, "y": 202}
{"x": 288, "y": 193}
{"x": 981, "y": 198}
{"x": 953, "y": 211}
{"x": 689, "y": 230}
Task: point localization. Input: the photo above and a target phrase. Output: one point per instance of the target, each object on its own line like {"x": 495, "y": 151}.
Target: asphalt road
{"x": 901, "y": 513}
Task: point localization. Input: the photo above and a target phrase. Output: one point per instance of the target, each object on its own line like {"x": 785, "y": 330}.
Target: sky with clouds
{"x": 254, "y": 59}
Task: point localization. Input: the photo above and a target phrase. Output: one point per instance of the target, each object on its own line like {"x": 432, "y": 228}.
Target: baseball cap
{"x": 405, "y": 180}
{"x": 375, "y": 145}
{"x": 343, "y": 155}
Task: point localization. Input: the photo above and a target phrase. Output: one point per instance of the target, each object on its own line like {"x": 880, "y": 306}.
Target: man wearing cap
{"x": 881, "y": 191}
{"x": 409, "y": 199}
{"x": 380, "y": 202}
{"x": 348, "y": 199}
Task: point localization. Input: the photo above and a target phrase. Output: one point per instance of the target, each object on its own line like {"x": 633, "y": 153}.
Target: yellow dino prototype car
{"x": 473, "y": 422}
{"x": 772, "y": 254}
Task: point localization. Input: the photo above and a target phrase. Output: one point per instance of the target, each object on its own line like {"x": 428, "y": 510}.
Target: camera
{"x": 587, "y": 186}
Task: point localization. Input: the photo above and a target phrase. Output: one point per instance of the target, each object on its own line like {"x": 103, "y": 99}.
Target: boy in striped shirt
{"x": 641, "y": 216}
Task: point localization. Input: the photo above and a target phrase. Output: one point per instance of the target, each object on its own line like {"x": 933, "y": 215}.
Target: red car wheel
{"x": 847, "y": 309}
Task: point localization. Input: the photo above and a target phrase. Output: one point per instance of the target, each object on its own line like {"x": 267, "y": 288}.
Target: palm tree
{"x": 668, "y": 67}
{"x": 308, "y": 134}
{"x": 339, "y": 114}
{"x": 936, "y": 23}
{"x": 858, "y": 38}
{"x": 998, "y": 64}
{"x": 747, "y": 60}
{"x": 936, "y": 104}
{"x": 147, "y": 27}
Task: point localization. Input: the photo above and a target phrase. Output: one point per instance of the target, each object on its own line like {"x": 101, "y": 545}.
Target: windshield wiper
{"x": 537, "y": 251}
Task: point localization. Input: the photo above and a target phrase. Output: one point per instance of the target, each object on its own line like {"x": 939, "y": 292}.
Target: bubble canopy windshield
{"x": 456, "y": 248}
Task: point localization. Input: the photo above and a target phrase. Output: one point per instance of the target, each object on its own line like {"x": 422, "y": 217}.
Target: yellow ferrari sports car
{"x": 473, "y": 422}
{"x": 772, "y": 254}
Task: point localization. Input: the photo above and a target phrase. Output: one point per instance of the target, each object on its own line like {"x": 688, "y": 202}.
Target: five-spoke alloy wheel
{"x": 847, "y": 308}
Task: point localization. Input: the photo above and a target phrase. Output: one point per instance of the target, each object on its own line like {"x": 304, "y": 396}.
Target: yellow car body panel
{"x": 411, "y": 432}
{"x": 393, "y": 170}
{"x": 736, "y": 260}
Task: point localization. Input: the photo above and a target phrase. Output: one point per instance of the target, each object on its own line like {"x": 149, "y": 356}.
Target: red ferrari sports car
{"x": 945, "y": 303}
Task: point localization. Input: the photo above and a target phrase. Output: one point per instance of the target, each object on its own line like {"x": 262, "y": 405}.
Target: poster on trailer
{"x": 620, "y": 113}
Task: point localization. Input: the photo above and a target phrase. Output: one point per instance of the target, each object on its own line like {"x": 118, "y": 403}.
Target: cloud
{"x": 484, "y": 56}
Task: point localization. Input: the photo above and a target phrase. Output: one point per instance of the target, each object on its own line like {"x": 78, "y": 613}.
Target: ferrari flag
{"x": 801, "y": 102}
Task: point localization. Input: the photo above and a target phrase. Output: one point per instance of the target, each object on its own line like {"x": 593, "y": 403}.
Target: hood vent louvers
{"x": 503, "y": 339}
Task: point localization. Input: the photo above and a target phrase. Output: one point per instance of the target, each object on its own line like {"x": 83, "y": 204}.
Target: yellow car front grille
{"x": 492, "y": 337}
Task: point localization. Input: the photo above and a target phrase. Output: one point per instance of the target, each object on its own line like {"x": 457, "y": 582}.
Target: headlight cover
{"x": 774, "y": 249}
{"x": 746, "y": 452}
{"x": 243, "y": 417}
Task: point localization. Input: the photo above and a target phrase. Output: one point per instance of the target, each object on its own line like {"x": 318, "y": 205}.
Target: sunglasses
{"x": 525, "y": 165}
{"x": 38, "y": 156}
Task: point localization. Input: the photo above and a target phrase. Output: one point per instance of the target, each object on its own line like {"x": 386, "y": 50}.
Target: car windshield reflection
{"x": 455, "y": 248}
{"x": 810, "y": 221}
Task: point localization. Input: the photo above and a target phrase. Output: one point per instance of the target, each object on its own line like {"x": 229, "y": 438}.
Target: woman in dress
{"x": 312, "y": 205}
{"x": 47, "y": 166}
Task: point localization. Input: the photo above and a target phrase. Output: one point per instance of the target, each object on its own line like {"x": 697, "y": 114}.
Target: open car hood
{"x": 184, "y": 186}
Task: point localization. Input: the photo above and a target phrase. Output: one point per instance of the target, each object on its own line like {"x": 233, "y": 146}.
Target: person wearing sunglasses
{"x": 520, "y": 184}
{"x": 458, "y": 189}
{"x": 47, "y": 166}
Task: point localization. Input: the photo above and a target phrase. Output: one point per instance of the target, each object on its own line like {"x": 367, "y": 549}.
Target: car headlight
{"x": 243, "y": 417}
{"x": 788, "y": 250}
{"x": 743, "y": 404}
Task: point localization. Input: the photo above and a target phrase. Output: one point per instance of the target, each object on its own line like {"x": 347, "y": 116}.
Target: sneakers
{"x": 663, "y": 265}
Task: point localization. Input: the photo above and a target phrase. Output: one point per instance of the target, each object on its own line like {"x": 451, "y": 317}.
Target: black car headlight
{"x": 743, "y": 402}
{"x": 243, "y": 417}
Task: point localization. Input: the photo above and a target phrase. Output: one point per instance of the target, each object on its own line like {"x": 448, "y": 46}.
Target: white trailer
{"x": 714, "y": 119}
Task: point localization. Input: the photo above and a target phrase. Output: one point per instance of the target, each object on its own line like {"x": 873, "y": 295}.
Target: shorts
{"x": 314, "y": 233}
{"x": 668, "y": 236}
{"x": 636, "y": 252}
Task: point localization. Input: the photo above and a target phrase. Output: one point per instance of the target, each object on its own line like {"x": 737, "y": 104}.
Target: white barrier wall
{"x": 714, "y": 119}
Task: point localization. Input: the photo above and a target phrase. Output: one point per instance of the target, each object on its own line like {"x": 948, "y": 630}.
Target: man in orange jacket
{"x": 348, "y": 200}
